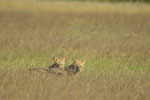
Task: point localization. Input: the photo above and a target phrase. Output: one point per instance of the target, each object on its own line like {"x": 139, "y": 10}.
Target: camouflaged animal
{"x": 57, "y": 67}
{"x": 76, "y": 67}
{"x": 58, "y": 63}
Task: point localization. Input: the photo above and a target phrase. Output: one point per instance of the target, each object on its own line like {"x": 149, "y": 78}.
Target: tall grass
{"x": 115, "y": 43}
{"x": 114, "y": 0}
{"x": 140, "y": 1}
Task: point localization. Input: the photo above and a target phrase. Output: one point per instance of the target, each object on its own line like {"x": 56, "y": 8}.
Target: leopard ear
{"x": 63, "y": 59}
{"x": 83, "y": 62}
{"x": 55, "y": 58}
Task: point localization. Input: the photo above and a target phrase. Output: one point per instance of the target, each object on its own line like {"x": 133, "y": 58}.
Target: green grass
{"x": 114, "y": 40}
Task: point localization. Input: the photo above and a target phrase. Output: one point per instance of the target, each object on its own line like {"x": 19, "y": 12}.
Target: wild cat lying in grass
{"x": 76, "y": 67}
{"x": 59, "y": 67}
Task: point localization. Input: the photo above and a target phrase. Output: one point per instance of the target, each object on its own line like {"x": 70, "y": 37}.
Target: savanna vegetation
{"x": 134, "y": 1}
{"x": 114, "y": 39}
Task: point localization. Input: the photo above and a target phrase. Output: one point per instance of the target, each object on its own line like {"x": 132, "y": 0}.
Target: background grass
{"x": 113, "y": 38}
{"x": 134, "y": 1}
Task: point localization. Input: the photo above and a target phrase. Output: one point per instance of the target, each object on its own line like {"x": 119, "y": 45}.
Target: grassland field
{"x": 113, "y": 38}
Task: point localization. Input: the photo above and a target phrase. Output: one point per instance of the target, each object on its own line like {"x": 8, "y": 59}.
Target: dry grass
{"x": 115, "y": 43}
{"x": 78, "y": 7}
